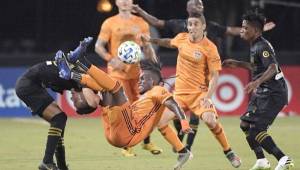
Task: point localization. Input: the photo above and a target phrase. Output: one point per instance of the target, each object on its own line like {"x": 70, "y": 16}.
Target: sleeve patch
{"x": 266, "y": 54}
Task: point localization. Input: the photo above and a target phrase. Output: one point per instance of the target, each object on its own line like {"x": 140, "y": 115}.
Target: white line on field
{"x": 30, "y": 121}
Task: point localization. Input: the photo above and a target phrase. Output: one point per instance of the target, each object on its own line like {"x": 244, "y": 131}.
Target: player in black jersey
{"x": 31, "y": 88}
{"x": 180, "y": 25}
{"x": 268, "y": 93}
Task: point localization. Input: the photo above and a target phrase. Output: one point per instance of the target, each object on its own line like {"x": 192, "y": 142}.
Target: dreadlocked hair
{"x": 255, "y": 18}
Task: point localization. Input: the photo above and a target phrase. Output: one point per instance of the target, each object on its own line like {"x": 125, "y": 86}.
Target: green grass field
{"x": 22, "y": 144}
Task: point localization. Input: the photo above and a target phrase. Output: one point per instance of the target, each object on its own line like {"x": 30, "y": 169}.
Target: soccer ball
{"x": 129, "y": 52}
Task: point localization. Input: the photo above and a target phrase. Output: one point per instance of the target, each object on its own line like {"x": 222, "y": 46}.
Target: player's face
{"x": 124, "y": 5}
{"x": 146, "y": 82}
{"x": 247, "y": 32}
{"x": 194, "y": 6}
{"x": 195, "y": 28}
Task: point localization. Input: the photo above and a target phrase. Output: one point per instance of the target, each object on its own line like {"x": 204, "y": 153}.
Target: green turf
{"x": 22, "y": 144}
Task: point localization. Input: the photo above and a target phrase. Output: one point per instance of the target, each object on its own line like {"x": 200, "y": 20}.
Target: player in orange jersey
{"x": 119, "y": 28}
{"x": 127, "y": 124}
{"x": 197, "y": 71}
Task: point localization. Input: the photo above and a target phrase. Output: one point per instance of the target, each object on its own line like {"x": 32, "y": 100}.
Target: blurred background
{"x": 33, "y": 30}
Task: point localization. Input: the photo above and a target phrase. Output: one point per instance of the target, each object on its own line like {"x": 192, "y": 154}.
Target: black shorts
{"x": 33, "y": 95}
{"x": 264, "y": 107}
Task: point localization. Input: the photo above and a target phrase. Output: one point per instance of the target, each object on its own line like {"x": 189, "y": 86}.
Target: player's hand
{"x": 145, "y": 38}
{"x": 252, "y": 86}
{"x": 117, "y": 64}
{"x": 185, "y": 127}
{"x": 231, "y": 63}
{"x": 206, "y": 103}
{"x": 135, "y": 8}
{"x": 268, "y": 26}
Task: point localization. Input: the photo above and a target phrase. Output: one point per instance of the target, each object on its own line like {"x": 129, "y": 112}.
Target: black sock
{"x": 227, "y": 151}
{"x": 60, "y": 154}
{"x": 84, "y": 63}
{"x": 269, "y": 145}
{"x": 177, "y": 126}
{"x": 194, "y": 122}
{"x": 259, "y": 153}
{"x": 58, "y": 123}
{"x": 184, "y": 150}
{"x": 255, "y": 146}
{"x": 147, "y": 140}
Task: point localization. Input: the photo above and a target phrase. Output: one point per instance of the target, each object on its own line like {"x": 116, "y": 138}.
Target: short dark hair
{"x": 256, "y": 18}
{"x": 198, "y": 15}
{"x": 153, "y": 67}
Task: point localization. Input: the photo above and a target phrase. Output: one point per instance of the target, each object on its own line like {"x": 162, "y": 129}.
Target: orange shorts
{"x": 124, "y": 128}
{"x": 191, "y": 102}
{"x": 130, "y": 87}
{"x": 115, "y": 127}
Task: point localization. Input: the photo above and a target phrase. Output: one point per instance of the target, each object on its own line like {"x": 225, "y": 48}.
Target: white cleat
{"x": 285, "y": 163}
{"x": 261, "y": 164}
{"x": 182, "y": 159}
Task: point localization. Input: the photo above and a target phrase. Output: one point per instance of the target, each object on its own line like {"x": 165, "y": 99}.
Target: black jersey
{"x": 180, "y": 25}
{"x": 46, "y": 75}
{"x": 262, "y": 55}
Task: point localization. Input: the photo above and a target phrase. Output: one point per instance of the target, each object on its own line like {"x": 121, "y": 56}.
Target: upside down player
{"x": 31, "y": 89}
{"x": 177, "y": 26}
{"x": 197, "y": 71}
{"x": 116, "y": 29}
{"x": 128, "y": 124}
{"x": 269, "y": 93}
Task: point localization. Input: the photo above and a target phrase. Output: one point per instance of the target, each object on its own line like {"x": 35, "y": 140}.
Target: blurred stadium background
{"x": 33, "y": 30}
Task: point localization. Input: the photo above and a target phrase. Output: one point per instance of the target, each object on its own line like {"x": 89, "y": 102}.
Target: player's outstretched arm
{"x": 235, "y": 31}
{"x": 231, "y": 63}
{"x": 173, "y": 106}
{"x": 164, "y": 42}
{"x": 149, "y": 18}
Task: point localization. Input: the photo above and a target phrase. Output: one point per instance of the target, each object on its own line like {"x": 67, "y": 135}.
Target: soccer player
{"x": 197, "y": 71}
{"x": 268, "y": 93}
{"x": 119, "y": 28}
{"x": 127, "y": 124}
{"x": 31, "y": 89}
{"x": 177, "y": 26}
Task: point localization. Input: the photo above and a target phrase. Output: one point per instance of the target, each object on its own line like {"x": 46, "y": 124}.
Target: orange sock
{"x": 90, "y": 82}
{"x": 220, "y": 136}
{"x": 103, "y": 79}
{"x": 170, "y": 135}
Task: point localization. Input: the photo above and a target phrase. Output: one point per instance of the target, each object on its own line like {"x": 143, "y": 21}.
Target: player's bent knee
{"x": 245, "y": 127}
{"x": 210, "y": 119}
{"x": 59, "y": 120}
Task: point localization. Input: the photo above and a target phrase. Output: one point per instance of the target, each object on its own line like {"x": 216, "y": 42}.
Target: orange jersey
{"x": 194, "y": 63}
{"x": 128, "y": 125}
{"x": 116, "y": 30}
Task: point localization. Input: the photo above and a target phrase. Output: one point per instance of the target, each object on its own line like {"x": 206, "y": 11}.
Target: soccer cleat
{"x": 261, "y": 164}
{"x": 50, "y": 166}
{"x": 73, "y": 56}
{"x": 234, "y": 159}
{"x": 155, "y": 150}
{"x": 285, "y": 163}
{"x": 128, "y": 152}
{"x": 63, "y": 66}
{"x": 182, "y": 159}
